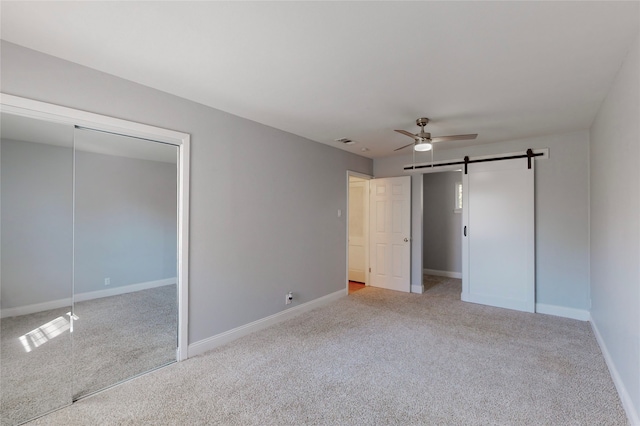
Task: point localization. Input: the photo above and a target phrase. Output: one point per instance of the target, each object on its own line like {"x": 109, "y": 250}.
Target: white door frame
{"x": 366, "y": 219}
{"x": 58, "y": 114}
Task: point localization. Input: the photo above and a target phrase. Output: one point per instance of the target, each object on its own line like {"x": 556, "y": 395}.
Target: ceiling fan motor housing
{"x": 422, "y": 121}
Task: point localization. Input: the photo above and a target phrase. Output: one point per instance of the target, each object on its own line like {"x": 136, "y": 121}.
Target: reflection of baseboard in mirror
{"x": 81, "y": 297}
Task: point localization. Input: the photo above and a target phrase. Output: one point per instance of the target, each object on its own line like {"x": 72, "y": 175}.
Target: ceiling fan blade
{"x": 411, "y": 135}
{"x": 403, "y": 147}
{"x": 453, "y": 137}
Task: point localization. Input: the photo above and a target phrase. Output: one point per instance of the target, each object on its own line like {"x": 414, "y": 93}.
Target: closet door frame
{"x": 59, "y": 114}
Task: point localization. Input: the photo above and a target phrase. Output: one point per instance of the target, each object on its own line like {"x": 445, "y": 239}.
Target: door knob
{"x": 406, "y": 240}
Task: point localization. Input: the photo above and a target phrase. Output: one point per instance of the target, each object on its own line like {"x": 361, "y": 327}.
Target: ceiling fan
{"x": 424, "y": 141}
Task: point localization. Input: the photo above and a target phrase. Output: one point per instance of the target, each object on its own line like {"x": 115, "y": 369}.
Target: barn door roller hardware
{"x": 529, "y": 155}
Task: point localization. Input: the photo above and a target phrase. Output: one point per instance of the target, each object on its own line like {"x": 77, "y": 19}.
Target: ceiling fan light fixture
{"x": 423, "y": 140}
{"x": 423, "y": 146}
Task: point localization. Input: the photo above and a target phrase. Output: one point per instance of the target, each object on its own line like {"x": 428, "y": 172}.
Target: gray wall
{"x": 36, "y": 222}
{"x": 442, "y": 234}
{"x": 263, "y": 202}
{"x": 125, "y": 222}
{"x": 562, "y": 206}
{"x": 615, "y": 226}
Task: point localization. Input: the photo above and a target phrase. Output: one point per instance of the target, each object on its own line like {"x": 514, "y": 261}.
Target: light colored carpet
{"x": 121, "y": 336}
{"x": 24, "y": 391}
{"x": 379, "y": 357}
{"x": 114, "y": 338}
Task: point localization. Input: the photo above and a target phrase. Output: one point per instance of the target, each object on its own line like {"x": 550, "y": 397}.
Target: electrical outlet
{"x": 107, "y": 281}
{"x": 288, "y": 298}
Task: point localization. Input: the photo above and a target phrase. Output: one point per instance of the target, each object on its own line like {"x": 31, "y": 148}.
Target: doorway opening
{"x": 357, "y": 231}
{"x": 380, "y": 238}
{"x": 442, "y": 232}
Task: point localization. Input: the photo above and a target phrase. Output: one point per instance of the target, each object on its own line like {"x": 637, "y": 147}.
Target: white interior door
{"x": 390, "y": 233}
{"x": 498, "y": 235}
{"x": 358, "y": 225}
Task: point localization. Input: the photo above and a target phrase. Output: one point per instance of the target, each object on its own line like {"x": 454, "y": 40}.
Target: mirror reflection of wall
{"x": 89, "y": 253}
{"x": 36, "y": 232}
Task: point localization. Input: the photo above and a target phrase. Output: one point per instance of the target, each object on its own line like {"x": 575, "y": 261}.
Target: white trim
{"x": 81, "y": 297}
{"x": 625, "y": 398}
{"x": 448, "y": 274}
{"x": 563, "y": 311}
{"x": 455, "y": 167}
{"x": 358, "y": 175}
{"x": 59, "y": 114}
{"x": 213, "y": 342}
{"x": 417, "y": 289}
{"x": 183, "y": 247}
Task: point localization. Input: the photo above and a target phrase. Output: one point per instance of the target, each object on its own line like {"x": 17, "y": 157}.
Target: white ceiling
{"x": 326, "y": 70}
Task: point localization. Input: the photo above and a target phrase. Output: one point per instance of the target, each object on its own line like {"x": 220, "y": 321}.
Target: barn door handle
{"x": 465, "y": 231}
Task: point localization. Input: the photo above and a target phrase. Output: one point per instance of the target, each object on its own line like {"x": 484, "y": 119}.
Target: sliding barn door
{"x": 390, "y": 233}
{"x": 498, "y": 234}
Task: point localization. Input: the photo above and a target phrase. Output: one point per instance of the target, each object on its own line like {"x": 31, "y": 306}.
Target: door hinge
{"x": 369, "y": 269}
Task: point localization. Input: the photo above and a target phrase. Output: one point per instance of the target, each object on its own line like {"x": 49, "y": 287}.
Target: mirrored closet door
{"x": 89, "y": 262}
{"x": 124, "y": 293}
{"x": 36, "y": 250}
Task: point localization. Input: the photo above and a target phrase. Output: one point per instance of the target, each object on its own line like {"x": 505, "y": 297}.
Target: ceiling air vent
{"x": 345, "y": 141}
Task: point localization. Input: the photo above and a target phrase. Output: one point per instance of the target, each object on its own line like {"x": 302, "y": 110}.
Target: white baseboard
{"x": 498, "y": 302}
{"x": 419, "y": 289}
{"x": 81, "y": 297}
{"x": 115, "y": 291}
{"x": 36, "y": 307}
{"x": 448, "y": 274}
{"x": 627, "y": 403}
{"x": 213, "y": 342}
{"x": 561, "y": 311}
